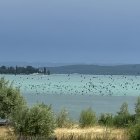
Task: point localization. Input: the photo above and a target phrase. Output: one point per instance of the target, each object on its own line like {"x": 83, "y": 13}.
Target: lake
{"x": 76, "y": 92}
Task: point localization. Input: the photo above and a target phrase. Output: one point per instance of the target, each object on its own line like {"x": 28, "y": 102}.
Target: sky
{"x": 70, "y": 31}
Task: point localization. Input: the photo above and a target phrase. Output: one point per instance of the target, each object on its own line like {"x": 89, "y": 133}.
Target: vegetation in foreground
{"x": 40, "y": 123}
{"x": 94, "y": 133}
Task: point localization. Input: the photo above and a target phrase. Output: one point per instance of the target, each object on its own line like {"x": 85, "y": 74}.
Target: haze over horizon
{"x": 57, "y": 64}
{"x": 70, "y": 31}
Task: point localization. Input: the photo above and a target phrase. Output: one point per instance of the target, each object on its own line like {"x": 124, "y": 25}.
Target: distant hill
{"x": 64, "y": 68}
{"x": 97, "y": 69}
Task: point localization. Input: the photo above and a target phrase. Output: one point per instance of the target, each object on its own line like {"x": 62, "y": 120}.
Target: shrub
{"x": 63, "y": 120}
{"x": 134, "y": 132}
{"x": 10, "y": 99}
{"x": 87, "y": 118}
{"x": 37, "y": 121}
{"x": 106, "y": 119}
{"x": 137, "y": 109}
{"x": 123, "y": 118}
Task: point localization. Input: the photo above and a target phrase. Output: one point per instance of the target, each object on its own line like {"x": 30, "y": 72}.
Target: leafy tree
{"x": 134, "y": 132}
{"x": 10, "y": 99}
{"x": 124, "y": 109}
{"x": 45, "y": 70}
{"x": 48, "y": 72}
{"x": 87, "y": 118}
{"x": 37, "y": 121}
{"x": 3, "y": 69}
{"x": 106, "y": 119}
{"x": 22, "y": 70}
{"x": 123, "y": 118}
{"x": 16, "y": 71}
{"x": 137, "y": 109}
{"x": 63, "y": 120}
{"x": 29, "y": 69}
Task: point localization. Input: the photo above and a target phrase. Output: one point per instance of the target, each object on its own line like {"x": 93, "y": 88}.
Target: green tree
{"x": 45, "y": 70}
{"x": 124, "y": 109}
{"x": 137, "y": 109}
{"x": 106, "y": 119}
{"x": 10, "y": 99}
{"x": 134, "y": 132}
{"x": 123, "y": 118}
{"x": 48, "y": 72}
{"x": 37, "y": 121}
{"x": 16, "y": 71}
{"x": 63, "y": 120}
{"x": 87, "y": 118}
{"x": 3, "y": 69}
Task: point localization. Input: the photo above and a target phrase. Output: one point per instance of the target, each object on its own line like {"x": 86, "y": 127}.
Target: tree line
{"x": 23, "y": 70}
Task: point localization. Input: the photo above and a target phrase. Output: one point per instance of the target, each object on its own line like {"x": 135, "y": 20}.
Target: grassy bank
{"x": 93, "y": 133}
{"x": 6, "y": 133}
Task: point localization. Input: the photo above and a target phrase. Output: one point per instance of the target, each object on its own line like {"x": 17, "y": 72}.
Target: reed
{"x": 94, "y": 133}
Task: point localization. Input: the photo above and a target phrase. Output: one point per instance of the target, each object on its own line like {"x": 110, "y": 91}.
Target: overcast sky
{"x": 79, "y": 31}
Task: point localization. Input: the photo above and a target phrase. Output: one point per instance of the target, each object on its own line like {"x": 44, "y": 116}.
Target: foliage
{"x": 22, "y": 70}
{"x": 137, "y": 109}
{"x": 106, "y": 119}
{"x": 87, "y": 118}
{"x": 123, "y": 118}
{"x": 10, "y": 99}
{"x": 48, "y": 72}
{"x": 63, "y": 120}
{"x": 134, "y": 132}
{"x": 37, "y": 121}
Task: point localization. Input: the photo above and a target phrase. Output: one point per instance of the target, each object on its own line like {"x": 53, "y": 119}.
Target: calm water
{"x": 76, "y": 92}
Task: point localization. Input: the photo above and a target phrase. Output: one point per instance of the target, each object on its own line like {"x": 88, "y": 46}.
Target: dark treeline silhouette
{"x": 23, "y": 70}
{"x": 130, "y": 69}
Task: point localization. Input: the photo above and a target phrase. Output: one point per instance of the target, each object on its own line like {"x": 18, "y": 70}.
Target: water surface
{"x": 76, "y": 92}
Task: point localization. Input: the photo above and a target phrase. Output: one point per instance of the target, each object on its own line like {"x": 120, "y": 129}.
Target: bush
{"x": 137, "y": 109}
{"x": 106, "y": 119}
{"x": 63, "y": 120}
{"x": 37, "y": 121}
{"x": 123, "y": 118}
{"x": 10, "y": 99}
{"x": 87, "y": 118}
{"x": 134, "y": 132}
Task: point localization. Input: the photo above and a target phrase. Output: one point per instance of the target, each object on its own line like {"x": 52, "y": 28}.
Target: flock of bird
{"x": 76, "y": 84}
